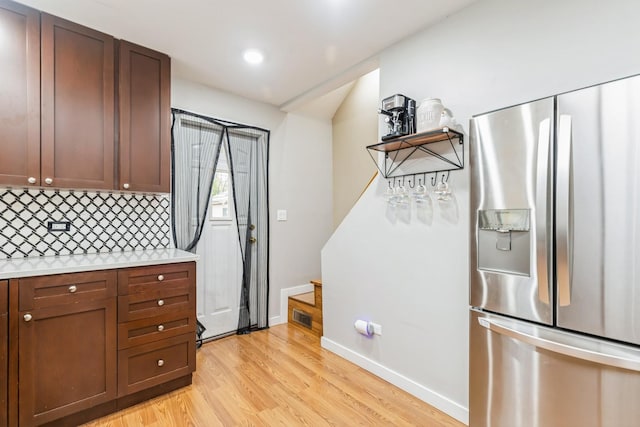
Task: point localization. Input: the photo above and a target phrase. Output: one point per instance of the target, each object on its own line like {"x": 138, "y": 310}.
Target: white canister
{"x": 429, "y": 114}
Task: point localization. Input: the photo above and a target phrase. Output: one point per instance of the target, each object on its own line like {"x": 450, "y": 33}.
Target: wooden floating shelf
{"x": 416, "y": 140}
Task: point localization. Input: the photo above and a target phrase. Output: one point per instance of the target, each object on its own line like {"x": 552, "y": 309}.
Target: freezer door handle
{"x": 543, "y": 225}
{"x": 563, "y": 222}
{"x": 571, "y": 350}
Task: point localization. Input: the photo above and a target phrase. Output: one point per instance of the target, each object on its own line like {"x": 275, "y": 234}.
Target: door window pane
{"x": 221, "y": 190}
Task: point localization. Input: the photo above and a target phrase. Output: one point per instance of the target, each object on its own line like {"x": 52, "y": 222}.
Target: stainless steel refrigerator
{"x": 555, "y": 261}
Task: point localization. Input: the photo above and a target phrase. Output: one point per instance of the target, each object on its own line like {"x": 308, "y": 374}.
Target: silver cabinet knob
{"x": 125, "y": 186}
{"x": 48, "y": 181}
{"x": 73, "y": 289}
{"x": 27, "y": 317}
{"x": 32, "y": 180}
{"x": 160, "y": 278}
{"x": 160, "y": 302}
{"x": 160, "y": 362}
{"x": 160, "y": 328}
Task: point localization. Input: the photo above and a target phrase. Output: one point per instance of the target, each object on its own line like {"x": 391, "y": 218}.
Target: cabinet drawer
{"x": 166, "y": 276}
{"x": 147, "y": 330}
{"x": 46, "y": 291}
{"x": 4, "y": 297}
{"x": 151, "y": 364}
{"x": 155, "y": 303}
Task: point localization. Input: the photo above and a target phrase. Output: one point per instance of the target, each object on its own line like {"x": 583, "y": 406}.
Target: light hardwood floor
{"x": 280, "y": 376}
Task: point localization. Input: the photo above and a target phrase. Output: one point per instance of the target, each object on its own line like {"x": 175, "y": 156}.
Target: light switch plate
{"x": 281, "y": 215}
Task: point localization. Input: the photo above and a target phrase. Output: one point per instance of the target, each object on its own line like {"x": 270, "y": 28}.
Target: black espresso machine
{"x": 400, "y": 112}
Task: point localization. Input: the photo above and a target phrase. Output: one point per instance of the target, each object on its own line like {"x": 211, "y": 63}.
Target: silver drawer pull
{"x": 160, "y": 278}
{"x": 73, "y": 289}
{"x": 160, "y": 328}
{"x": 27, "y": 317}
{"x": 160, "y": 302}
{"x": 160, "y": 362}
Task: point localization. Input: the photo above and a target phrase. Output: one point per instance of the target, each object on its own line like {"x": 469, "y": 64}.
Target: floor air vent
{"x": 302, "y": 318}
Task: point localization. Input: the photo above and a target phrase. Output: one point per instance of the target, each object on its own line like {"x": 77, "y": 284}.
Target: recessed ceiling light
{"x": 253, "y": 56}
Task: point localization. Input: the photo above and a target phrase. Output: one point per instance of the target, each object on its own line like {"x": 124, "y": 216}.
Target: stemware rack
{"x": 424, "y": 178}
{"x": 443, "y": 145}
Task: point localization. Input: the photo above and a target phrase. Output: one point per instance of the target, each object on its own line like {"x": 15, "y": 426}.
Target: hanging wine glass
{"x": 443, "y": 191}
{"x": 420, "y": 193}
{"x": 403, "y": 195}
{"x": 390, "y": 195}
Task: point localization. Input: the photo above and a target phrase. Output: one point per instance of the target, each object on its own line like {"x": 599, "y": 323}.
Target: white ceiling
{"x": 311, "y": 46}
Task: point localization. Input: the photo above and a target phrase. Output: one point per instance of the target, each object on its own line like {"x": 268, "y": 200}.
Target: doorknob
{"x": 252, "y": 227}
{"x": 253, "y": 240}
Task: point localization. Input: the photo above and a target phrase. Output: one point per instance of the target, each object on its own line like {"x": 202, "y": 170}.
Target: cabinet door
{"x": 144, "y": 108}
{"x": 77, "y": 106}
{"x": 4, "y": 348}
{"x": 19, "y": 94}
{"x": 67, "y": 359}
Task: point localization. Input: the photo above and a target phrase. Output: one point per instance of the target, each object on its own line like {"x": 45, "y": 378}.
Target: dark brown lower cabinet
{"x": 157, "y": 315}
{"x": 75, "y": 355}
{"x": 4, "y": 351}
{"x": 67, "y": 360}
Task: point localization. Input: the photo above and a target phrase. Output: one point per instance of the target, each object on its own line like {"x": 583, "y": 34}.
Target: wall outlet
{"x": 281, "y": 215}
{"x": 377, "y": 329}
{"x": 58, "y": 226}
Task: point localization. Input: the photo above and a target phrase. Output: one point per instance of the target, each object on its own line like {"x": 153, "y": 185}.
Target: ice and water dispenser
{"x": 504, "y": 241}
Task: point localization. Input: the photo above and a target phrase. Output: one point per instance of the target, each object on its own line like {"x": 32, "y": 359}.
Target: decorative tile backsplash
{"x": 100, "y": 222}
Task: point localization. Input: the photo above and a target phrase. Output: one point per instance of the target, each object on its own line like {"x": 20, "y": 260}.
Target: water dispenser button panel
{"x": 504, "y": 219}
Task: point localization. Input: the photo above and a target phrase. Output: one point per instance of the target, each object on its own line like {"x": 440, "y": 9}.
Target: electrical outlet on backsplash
{"x": 100, "y": 222}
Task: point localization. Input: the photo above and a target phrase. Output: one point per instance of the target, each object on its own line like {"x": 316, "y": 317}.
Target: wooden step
{"x": 308, "y": 298}
{"x": 305, "y": 310}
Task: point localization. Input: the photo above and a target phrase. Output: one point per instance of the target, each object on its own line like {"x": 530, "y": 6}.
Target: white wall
{"x": 412, "y": 277}
{"x": 299, "y": 179}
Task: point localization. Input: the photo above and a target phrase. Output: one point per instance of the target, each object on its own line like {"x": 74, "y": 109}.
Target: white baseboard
{"x": 284, "y": 302}
{"x": 429, "y": 396}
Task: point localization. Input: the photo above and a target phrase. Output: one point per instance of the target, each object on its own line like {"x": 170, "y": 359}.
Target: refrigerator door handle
{"x": 544, "y": 227}
{"x": 563, "y": 221}
{"x": 614, "y": 360}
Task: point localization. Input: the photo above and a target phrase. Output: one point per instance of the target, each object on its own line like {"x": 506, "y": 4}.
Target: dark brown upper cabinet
{"x": 144, "y": 82}
{"x": 19, "y": 94}
{"x": 77, "y": 113}
{"x": 58, "y": 92}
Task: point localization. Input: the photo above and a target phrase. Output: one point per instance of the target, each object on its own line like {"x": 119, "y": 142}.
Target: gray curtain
{"x": 195, "y": 148}
{"x": 248, "y": 150}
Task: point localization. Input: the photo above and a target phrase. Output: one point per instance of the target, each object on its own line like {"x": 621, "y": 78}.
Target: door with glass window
{"x": 220, "y": 272}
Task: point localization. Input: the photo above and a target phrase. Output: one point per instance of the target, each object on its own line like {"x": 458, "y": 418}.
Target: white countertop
{"x": 38, "y": 266}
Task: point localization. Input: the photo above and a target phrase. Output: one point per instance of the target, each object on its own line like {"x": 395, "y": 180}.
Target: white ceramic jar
{"x": 429, "y": 114}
